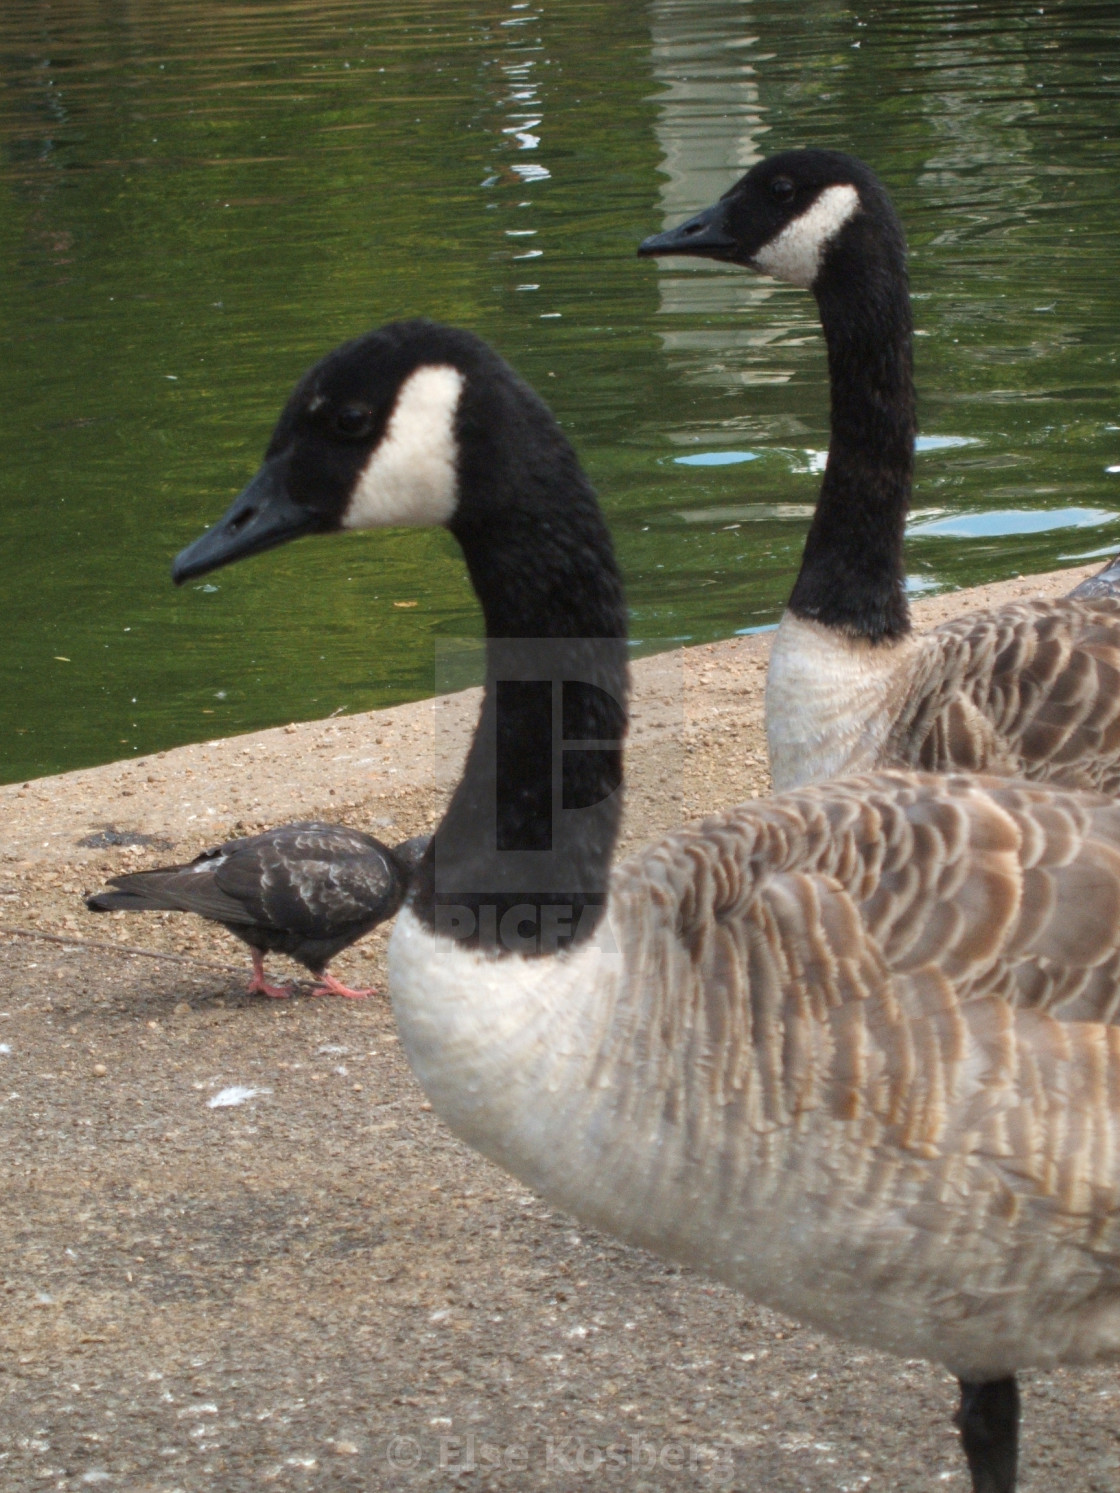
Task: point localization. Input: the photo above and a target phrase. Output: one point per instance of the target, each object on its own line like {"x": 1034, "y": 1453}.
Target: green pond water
{"x": 200, "y": 198}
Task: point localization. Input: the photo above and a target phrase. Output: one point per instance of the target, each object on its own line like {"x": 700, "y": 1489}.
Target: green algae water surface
{"x": 201, "y": 198}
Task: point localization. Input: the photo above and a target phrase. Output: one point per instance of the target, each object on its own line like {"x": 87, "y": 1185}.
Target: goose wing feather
{"x": 996, "y": 888}
{"x": 884, "y": 1011}
{"x": 1032, "y": 688}
{"x": 837, "y": 946}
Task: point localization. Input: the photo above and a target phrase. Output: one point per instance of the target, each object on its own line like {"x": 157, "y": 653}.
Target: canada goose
{"x": 308, "y": 890}
{"x": 847, "y": 1049}
{"x": 1032, "y": 688}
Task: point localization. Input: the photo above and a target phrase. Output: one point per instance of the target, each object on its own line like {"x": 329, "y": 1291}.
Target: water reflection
{"x": 983, "y": 134}
{"x": 716, "y": 458}
{"x": 200, "y": 198}
{"x": 709, "y": 116}
{"x": 1012, "y": 521}
{"x": 709, "y": 122}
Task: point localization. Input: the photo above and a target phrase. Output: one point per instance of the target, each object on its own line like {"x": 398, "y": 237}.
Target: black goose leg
{"x": 988, "y": 1421}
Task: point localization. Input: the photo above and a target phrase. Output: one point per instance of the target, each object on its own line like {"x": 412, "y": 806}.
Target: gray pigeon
{"x": 308, "y": 890}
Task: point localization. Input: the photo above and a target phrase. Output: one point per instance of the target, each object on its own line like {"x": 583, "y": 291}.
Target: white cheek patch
{"x": 794, "y": 255}
{"x": 411, "y": 478}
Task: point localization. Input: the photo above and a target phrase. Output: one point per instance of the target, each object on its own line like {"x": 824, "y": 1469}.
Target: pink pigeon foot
{"x": 328, "y": 985}
{"x": 258, "y": 985}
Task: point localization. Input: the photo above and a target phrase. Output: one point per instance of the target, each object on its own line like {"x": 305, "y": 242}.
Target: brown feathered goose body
{"x": 852, "y": 1050}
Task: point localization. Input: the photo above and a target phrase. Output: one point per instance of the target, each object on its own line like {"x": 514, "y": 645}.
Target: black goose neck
{"x": 521, "y": 860}
{"x": 852, "y": 575}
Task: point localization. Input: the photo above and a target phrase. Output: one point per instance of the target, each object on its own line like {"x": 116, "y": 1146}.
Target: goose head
{"x": 414, "y": 424}
{"x": 422, "y": 424}
{"x": 794, "y": 216}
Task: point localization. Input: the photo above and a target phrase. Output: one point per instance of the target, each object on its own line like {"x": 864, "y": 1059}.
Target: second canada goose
{"x": 308, "y": 890}
{"x": 1032, "y": 688}
{"x": 849, "y": 1049}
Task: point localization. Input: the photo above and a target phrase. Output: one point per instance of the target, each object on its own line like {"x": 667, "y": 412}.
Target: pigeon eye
{"x": 781, "y": 189}
{"x": 352, "y": 421}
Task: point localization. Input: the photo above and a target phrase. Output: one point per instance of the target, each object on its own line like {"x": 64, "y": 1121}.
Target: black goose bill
{"x": 261, "y": 517}
{"x": 706, "y": 234}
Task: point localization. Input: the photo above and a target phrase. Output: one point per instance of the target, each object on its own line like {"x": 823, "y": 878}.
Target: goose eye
{"x": 352, "y": 421}
{"x": 781, "y": 189}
